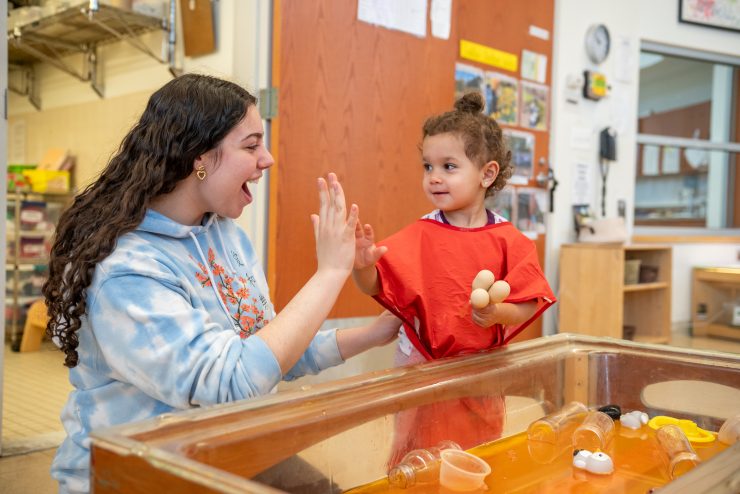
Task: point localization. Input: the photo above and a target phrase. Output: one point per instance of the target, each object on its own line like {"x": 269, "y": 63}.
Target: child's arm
{"x": 504, "y": 313}
{"x": 367, "y": 255}
{"x": 383, "y": 330}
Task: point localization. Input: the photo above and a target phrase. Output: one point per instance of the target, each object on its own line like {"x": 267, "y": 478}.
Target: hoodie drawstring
{"x": 221, "y": 239}
{"x": 210, "y": 275}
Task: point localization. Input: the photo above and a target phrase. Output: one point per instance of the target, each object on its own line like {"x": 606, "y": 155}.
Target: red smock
{"x": 426, "y": 276}
{"x": 425, "y": 279}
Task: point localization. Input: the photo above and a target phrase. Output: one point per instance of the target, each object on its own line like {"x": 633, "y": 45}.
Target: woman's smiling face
{"x": 240, "y": 158}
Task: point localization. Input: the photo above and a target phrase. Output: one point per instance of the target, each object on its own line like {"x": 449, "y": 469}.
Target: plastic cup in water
{"x": 595, "y": 433}
{"x": 462, "y": 471}
{"x": 729, "y": 433}
{"x": 677, "y": 449}
{"x": 552, "y": 428}
{"x": 550, "y": 435}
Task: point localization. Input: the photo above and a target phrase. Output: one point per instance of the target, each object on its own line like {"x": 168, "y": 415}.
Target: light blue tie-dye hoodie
{"x": 170, "y": 318}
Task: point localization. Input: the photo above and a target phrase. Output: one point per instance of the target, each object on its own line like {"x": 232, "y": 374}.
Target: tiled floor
{"x": 36, "y": 387}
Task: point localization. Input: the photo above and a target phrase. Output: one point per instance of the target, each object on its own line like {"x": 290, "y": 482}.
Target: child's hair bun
{"x": 471, "y": 102}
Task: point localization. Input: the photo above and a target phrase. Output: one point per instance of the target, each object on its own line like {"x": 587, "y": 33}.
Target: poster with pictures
{"x": 531, "y": 204}
{"x": 502, "y": 98}
{"x": 503, "y": 203}
{"x": 534, "y": 106}
{"x": 521, "y": 145}
{"x": 468, "y": 79}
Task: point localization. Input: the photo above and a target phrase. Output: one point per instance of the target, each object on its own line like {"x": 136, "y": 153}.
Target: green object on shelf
{"x": 16, "y": 182}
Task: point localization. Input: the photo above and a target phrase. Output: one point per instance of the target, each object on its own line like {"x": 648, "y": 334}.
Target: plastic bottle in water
{"x": 419, "y": 466}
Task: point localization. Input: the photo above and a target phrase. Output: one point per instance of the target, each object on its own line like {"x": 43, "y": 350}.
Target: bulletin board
{"x": 352, "y": 99}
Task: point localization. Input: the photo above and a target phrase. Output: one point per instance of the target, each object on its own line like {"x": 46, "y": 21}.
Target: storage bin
{"x": 631, "y": 271}
{"x": 33, "y": 247}
{"x": 16, "y": 181}
{"x": 648, "y": 274}
{"x": 32, "y": 215}
{"x": 628, "y": 332}
{"x": 48, "y": 181}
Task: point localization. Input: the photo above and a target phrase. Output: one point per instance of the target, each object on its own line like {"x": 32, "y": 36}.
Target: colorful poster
{"x": 530, "y": 209}
{"x": 534, "y": 106}
{"x": 503, "y": 203}
{"x": 534, "y": 66}
{"x": 521, "y": 145}
{"x": 502, "y": 98}
{"x": 722, "y": 14}
{"x": 467, "y": 79}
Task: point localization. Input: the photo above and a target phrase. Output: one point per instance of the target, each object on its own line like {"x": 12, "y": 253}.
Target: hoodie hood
{"x": 160, "y": 224}
{"x": 215, "y": 256}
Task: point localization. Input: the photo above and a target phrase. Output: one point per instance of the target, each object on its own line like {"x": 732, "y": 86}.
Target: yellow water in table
{"x": 518, "y": 467}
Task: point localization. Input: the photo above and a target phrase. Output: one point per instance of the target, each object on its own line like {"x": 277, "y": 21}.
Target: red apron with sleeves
{"x": 425, "y": 279}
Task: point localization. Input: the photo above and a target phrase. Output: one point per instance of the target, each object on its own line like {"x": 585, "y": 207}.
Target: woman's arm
{"x": 291, "y": 331}
{"x": 383, "y": 330}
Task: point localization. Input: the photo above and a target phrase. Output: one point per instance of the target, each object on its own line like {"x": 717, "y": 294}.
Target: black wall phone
{"x": 608, "y": 144}
{"x": 607, "y": 153}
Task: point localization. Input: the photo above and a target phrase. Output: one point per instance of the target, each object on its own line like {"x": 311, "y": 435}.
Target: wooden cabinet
{"x": 715, "y": 292}
{"x": 594, "y": 298}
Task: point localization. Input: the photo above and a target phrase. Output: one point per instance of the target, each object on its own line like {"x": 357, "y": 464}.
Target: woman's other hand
{"x": 381, "y": 331}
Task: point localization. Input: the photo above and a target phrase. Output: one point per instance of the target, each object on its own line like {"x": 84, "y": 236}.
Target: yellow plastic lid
{"x": 693, "y": 432}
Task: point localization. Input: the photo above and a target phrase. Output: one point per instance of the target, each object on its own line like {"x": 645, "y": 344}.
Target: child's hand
{"x": 487, "y": 316}
{"x": 505, "y": 313}
{"x": 366, "y": 252}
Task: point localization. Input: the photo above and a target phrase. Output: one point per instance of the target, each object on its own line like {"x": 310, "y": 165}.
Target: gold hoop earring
{"x": 201, "y": 173}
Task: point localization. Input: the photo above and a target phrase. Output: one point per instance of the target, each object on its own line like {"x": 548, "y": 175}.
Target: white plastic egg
{"x": 499, "y": 291}
{"x": 479, "y": 298}
{"x": 484, "y": 279}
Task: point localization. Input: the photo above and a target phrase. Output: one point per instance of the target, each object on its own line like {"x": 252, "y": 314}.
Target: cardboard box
{"x": 48, "y": 181}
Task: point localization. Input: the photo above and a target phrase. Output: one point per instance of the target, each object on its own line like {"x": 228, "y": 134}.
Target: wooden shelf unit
{"x": 593, "y": 298}
{"x": 712, "y": 287}
{"x": 22, "y": 266}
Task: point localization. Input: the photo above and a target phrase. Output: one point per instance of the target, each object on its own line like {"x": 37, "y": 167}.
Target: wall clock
{"x": 597, "y": 43}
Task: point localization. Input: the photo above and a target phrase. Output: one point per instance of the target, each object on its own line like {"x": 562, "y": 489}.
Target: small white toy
{"x": 634, "y": 420}
{"x": 598, "y": 463}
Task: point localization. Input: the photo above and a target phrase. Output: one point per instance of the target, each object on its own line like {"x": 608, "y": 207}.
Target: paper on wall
{"x": 582, "y": 184}
{"x": 441, "y": 14}
{"x": 534, "y": 66}
{"x": 409, "y": 16}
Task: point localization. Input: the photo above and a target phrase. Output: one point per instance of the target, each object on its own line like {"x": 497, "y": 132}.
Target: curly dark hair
{"x": 481, "y": 135}
{"x": 184, "y": 119}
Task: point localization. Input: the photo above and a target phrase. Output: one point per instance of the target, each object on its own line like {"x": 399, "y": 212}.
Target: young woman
{"x": 157, "y": 297}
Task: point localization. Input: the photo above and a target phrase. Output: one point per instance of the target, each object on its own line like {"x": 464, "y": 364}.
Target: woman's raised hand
{"x": 333, "y": 228}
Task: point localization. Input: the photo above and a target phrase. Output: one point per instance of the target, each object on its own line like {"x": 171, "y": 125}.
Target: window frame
{"x": 731, "y": 147}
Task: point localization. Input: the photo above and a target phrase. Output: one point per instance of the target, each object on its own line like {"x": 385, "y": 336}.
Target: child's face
{"x": 452, "y": 182}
